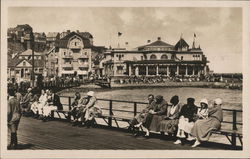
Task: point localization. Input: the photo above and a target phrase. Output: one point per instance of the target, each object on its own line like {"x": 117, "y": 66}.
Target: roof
{"x": 86, "y": 35}
{"x": 181, "y": 44}
{"x": 156, "y": 43}
{"x": 52, "y": 34}
{"x": 29, "y": 52}
{"x": 15, "y": 61}
{"x": 63, "y": 42}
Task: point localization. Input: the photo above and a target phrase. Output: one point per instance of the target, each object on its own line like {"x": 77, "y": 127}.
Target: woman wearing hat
{"x": 92, "y": 110}
{"x": 202, "y": 112}
{"x": 186, "y": 120}
{"x": 202, "y": 128}
{"x": 170, "y": 124}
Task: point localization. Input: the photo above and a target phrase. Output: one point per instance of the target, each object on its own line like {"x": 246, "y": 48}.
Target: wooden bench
{"x": 233, "y": 133}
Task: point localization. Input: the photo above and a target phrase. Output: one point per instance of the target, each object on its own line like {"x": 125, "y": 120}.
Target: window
{"x": 64, "y": 53}
{"x": 164, "y": 57}
{"x": 181, "y": 57}
{"x": 24, "y": 63}
{"x": 141, "y": 57}
{"x": 153, "y": 57}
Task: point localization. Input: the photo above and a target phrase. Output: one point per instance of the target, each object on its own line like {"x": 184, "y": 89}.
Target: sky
{"x": 218, "y": 30}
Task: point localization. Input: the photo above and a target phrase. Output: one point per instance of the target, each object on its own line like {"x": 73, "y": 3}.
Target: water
{"x": 232, "y": 99}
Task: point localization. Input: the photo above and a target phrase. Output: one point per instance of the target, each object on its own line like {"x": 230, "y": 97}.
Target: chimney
{"x": 149, "y": 41}
{"x": 68, "y": 31}
{"x": 77, "y": 31}
{"x": 159, "y": 38}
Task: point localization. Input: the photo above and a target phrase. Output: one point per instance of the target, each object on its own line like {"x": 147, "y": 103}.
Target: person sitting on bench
{"x": 170, "y": 124}
{"x": 52, "y": 105}
{"x": 186, "y": 121}
{"x": 139, "y": 119}
{"x": 26, "y": 102}
{"x": 78, "y": 109}
{"x": 202, "y": 128}
{"x": 92, "y": 110}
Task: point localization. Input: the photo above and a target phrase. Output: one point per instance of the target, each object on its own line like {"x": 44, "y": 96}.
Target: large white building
{"x": 71, "y": 55}
{"x": 156, "y": 58}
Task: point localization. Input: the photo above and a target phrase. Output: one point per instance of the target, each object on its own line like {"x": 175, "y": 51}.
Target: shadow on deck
{"x": 60, "y": 135}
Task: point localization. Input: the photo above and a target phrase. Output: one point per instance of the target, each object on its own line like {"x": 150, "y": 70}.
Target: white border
{"x": 126, "y": 153}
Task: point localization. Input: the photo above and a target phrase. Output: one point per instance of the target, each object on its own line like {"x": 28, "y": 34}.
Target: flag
{"x": 119, "y": 33}
{"x": 194, "y": 35}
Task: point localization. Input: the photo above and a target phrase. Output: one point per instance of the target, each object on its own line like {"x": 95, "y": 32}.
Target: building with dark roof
{"x": 156, "y": 58}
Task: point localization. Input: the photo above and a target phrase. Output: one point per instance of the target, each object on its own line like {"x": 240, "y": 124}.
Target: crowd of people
{"x": 184, "y": 122}
{"x": 41, "y": 106}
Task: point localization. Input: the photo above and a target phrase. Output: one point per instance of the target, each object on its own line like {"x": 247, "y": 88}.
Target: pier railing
{"x": 111, "y": 108}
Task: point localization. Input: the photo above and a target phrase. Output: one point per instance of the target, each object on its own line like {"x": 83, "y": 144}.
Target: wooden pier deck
{"x": 60, "y": 135}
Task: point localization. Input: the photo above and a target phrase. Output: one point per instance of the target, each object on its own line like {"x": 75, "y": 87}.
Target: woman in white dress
{"x": 42, "y": 102}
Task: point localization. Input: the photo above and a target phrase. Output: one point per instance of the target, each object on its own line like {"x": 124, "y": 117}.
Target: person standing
{"x": 14, "y": 116}
{"x": 18, "y": 95}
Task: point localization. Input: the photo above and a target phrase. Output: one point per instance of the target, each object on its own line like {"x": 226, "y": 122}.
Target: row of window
{"x": 30, "y": 57}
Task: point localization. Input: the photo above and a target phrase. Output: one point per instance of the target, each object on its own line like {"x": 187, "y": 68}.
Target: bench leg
{"x": 105, "y": 120}
{"x": 233, "y": 140}
{"x": 240, "y": 138}
{"x": 116, "y": 123}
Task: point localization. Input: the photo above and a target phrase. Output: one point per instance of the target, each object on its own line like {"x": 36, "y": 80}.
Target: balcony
{"x": 83, "y": 56}
{"x": 67, "y": 65}
{"x": 83, "y": 65}
{"x": 67, "y": 56}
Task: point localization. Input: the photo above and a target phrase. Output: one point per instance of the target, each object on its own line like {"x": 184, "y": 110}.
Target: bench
{"x": 233, "y": 133}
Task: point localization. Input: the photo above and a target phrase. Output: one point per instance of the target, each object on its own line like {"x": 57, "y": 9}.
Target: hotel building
{"x": 156, "y": 58}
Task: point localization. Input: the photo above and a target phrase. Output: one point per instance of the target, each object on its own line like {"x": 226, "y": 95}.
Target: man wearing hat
{"x": 14, "y": 116}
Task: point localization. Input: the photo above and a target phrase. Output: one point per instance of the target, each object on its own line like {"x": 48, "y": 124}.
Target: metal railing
{"x": 135, "y": 111}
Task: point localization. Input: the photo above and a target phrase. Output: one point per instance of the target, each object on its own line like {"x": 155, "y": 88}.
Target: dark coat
{"x": 188, "y": 111}
{"x": 56, "y": 102}
{"x": 14, "y": 114}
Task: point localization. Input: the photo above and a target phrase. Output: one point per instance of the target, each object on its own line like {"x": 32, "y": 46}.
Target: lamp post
{"x": 33, "y": 66}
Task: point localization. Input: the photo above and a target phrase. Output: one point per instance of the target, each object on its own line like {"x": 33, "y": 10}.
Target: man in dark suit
{"x": 55, "y": 100}
{"x": 14, "y": 116}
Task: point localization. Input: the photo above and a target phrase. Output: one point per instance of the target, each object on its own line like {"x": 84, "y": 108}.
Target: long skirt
{"x": 202, "y": 128}
{"x": 169, "y": 126}
{"x": 34, "y": 107}
{"x": 185, "y": 125}
{"x": 92, "y": 113}
{"x": 48, "y": 109}
{"x": 155, "y": 123}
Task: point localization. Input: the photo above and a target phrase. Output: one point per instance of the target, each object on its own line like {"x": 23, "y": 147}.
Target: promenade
{"x": 60, "y": 135}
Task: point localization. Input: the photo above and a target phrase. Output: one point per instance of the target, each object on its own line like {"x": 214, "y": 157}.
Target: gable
{"x": 24, "y": 63}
